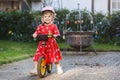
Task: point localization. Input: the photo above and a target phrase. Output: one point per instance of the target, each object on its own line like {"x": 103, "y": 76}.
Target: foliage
{"x": 16, "y": 25}
{"x": 74, "y": 20}
{"x": 19, "y": 26}
{"x": 60, "y": 18}
{"x": 114, "y": 29}
{"x": 108, "y": 28}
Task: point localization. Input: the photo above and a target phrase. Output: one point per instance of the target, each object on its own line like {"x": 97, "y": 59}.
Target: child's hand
{"x": 34, "y": 35}
{"x": 54, "y": 36}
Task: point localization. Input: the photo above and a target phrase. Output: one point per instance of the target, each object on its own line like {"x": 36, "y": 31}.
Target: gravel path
{"x": 103, "y": 66}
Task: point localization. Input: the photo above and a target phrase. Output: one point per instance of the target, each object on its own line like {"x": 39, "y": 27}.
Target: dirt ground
{"x": 76, "y": 66}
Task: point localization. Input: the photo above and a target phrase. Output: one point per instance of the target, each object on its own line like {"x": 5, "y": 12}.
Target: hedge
{"x": 19, "y": 26}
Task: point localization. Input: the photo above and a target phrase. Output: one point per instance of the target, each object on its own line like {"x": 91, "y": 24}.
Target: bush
{"x": 108, "y": 28}
{"x": 16, "y": 25}
{"x": 19, "y": 26}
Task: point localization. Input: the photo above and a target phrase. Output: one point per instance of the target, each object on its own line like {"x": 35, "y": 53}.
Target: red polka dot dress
{"x": 51, "y": 48}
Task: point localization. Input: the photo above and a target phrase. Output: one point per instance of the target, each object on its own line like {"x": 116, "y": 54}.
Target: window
{"x": 115, "y": 5}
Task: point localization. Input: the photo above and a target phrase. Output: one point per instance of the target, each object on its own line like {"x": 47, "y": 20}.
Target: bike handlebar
{"x": 45, "y": 37}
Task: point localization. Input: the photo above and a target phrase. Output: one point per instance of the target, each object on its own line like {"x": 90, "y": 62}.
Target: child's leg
{"x": 34, "y": 71}
{"x": 59, "y": 67}
{"x": 36, "y": 63}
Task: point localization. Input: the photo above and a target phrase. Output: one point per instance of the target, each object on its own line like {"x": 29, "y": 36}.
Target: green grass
{"x": 97, "y": 46}
{"x": 13, "y": 51}
{"x": 106, "y": 47}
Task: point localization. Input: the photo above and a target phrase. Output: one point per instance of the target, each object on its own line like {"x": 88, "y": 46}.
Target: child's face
{"x": 47, "y": 17}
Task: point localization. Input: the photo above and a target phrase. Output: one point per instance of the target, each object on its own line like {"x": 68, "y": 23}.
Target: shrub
{"x": 108, "y": 28}
{"x": 19, "y": 26}
{"x": 16, "y": 25}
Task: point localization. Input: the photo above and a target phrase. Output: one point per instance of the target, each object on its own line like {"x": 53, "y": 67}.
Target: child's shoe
{"x": 60, "y": 71}
{"x": 34, "y": 72}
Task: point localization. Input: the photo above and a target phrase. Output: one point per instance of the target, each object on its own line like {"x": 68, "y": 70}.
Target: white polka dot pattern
{"x": 51, "y": 48}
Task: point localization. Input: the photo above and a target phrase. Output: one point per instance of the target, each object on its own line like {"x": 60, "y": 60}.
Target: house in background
{"x": 104, "y": 6}
{"x": 9, "y": 5}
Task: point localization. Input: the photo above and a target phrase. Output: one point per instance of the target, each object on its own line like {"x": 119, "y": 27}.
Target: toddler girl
{"x": 51, "y": 48}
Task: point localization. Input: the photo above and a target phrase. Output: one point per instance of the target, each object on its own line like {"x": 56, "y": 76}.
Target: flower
{"x": 10, "y": 32}
{"x": 75, "y": 22}
{"x": 67, "y": 22}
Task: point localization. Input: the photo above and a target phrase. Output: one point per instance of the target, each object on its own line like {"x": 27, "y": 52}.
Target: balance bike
{"x": 43, "y": 64}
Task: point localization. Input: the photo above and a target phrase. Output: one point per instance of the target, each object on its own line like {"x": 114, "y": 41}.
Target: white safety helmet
{"x": 48, "y": 8}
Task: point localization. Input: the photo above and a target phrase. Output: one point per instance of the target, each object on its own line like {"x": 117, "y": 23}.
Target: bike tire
{"x": 49, "y": 68}
{"x": 41, "y": 67}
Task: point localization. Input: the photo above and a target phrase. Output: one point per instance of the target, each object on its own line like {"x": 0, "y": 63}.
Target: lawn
{"x": 97, "y": 46}
{"x": 13, "y": 51}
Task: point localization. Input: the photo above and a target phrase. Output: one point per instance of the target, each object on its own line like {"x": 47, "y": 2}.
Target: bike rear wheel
{"x": 49, "y": 68}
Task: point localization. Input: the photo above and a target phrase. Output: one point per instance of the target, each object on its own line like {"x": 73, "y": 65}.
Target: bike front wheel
{"x": 41, "y": 67}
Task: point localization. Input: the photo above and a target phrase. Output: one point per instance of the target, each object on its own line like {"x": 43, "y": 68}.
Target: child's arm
{"x": 36, "y": 32}
{"x": 56, "y": 32}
